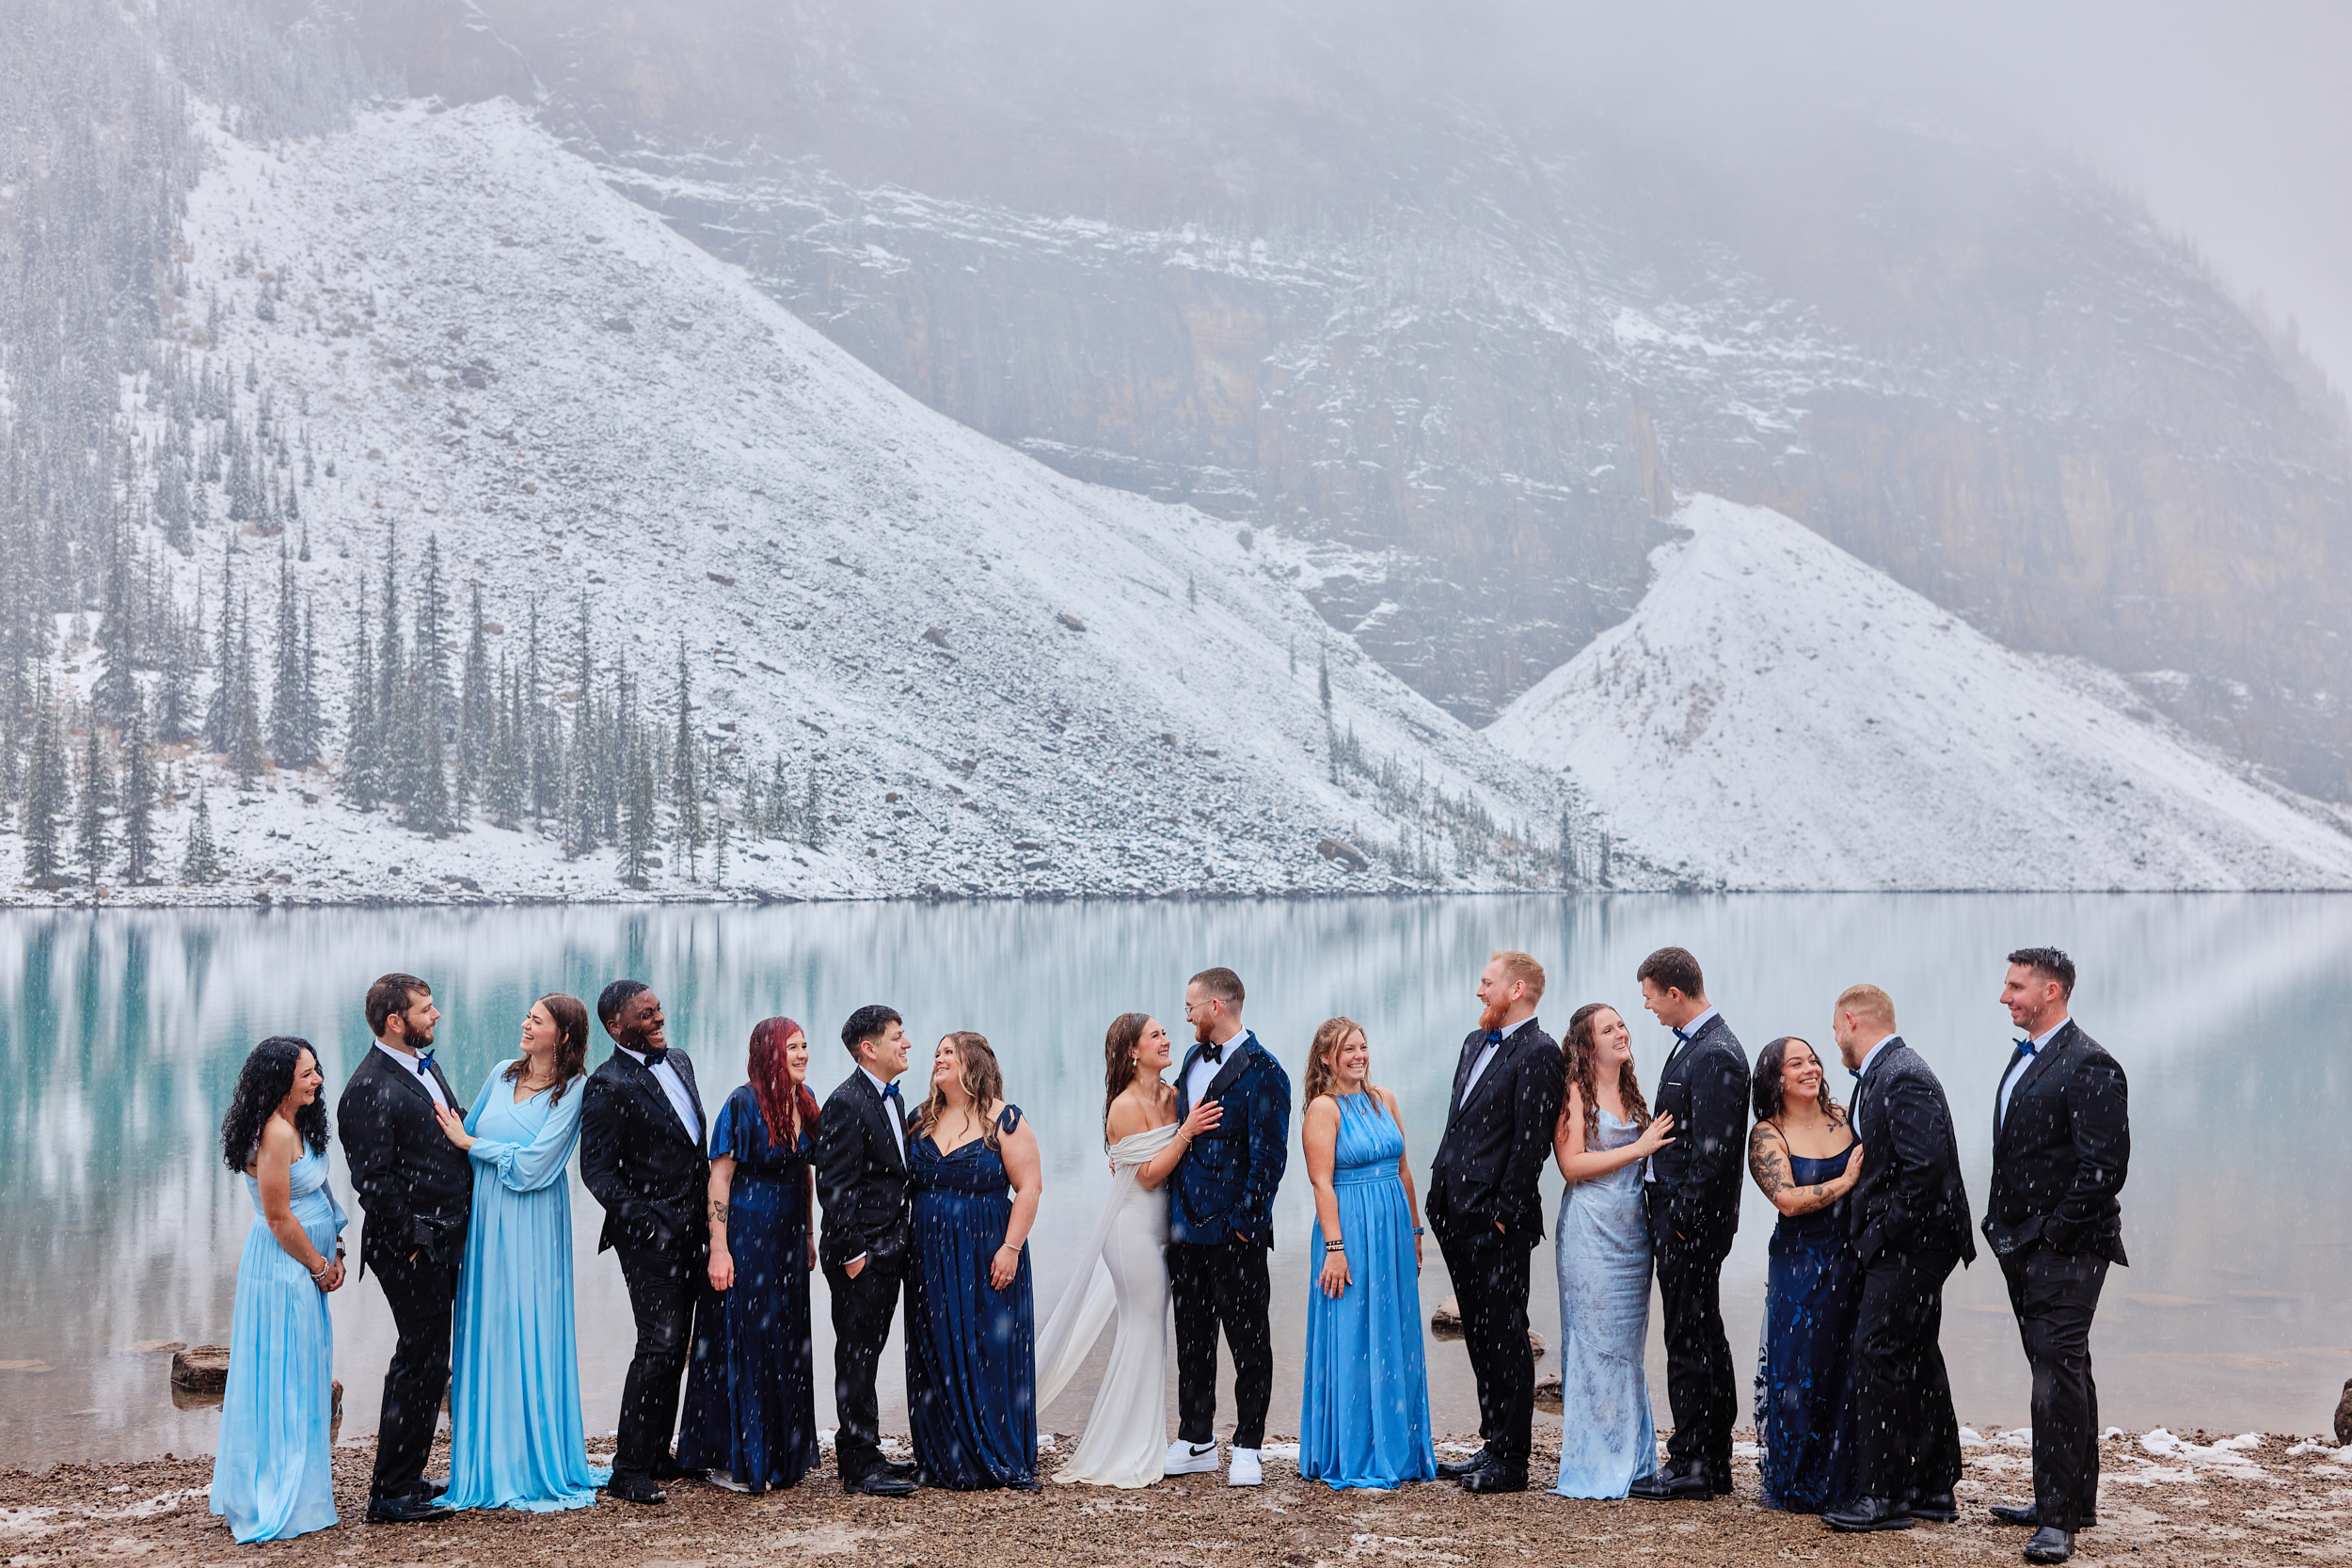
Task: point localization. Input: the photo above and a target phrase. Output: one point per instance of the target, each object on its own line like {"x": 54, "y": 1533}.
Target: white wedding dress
{"x": 1123, "y": 1271}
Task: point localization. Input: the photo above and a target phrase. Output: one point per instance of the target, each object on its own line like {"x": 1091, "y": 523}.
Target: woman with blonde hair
{"x": 1606, "y": 1439}
{"x": 1363, "y": 1415}
{"x": 971, "y": 1339}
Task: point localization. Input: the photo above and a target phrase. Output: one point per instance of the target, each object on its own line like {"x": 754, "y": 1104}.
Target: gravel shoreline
{"x": 2164, "y": 1499}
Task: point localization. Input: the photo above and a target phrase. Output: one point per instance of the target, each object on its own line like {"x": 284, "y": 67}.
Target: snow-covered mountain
{"x": 1005, "y": 680}
{"x": 1778, "y": 713}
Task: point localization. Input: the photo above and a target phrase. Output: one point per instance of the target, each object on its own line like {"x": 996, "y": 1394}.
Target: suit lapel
{"x": 1504, "y": 1051}
{"x": 1461, "y": 1079}
{"x": 649, "y": 1089}
{"x": 2034, "y": 1070}
{"x": 881, "y": 1117}
{"x": 402, "y": 1073}
{"x": 1237, "y": 1058}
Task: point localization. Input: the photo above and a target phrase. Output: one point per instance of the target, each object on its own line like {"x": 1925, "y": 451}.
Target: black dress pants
{"x": 423, "y": 1296}
{"x": 862, "y": 1310}
{"x": 2055, "y": 1295}
{"x": 663, "y": 1286}
{"x": 1489, "y": 1274}
{"x": 1214, "y": 1285}
{"x": 1906, "y": 1437}
{"x": 1699, "y": 1385}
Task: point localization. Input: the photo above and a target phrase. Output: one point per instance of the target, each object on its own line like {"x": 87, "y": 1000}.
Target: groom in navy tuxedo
{"x": 1220, "y": 1226}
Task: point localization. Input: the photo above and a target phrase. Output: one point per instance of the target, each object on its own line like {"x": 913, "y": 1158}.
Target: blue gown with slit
{"x": 971, "y": 1349}
{"x": 751, "y": 1399}
{"x": 514, "y": 1437}
{"x": 1804, "y": 1407}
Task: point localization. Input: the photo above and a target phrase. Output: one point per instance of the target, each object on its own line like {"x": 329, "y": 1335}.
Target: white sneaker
{"x": 1183, "y": 1459}
{"x": 1246, "y": 1470}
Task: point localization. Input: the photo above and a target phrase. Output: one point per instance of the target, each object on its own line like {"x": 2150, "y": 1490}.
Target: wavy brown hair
{"x": 1120, "y": 1043}
{"x": 1329, "y": 1036}
{"x": 571, "y": 1043}
{"x": 1581, "y": 1073}
{"x": 978, "y": 1071}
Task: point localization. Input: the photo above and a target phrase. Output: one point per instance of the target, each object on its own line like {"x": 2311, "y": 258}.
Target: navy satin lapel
{"x": 1237, "y": 1058}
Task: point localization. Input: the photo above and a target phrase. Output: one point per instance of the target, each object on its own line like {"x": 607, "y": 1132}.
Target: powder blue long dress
{"x": 1803, "y": 1407}
{"x": 515, "y": 1426}
{"x": 1363, "y": 1417}
{"x": 272, "y": 1476}
{"x": 971, "y": 1350}
{"x": 1607, "y": 1439}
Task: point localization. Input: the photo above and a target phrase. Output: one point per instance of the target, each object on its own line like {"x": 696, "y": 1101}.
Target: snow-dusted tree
{"x": 289, "y": 739}
{"x": 477, "y": 714}
{"x": 686, "y": 796}
{"x": 117, "y": 691}
{"x": 202, "y": 861}
{"x": 361, "y": 781}
{"x": 638, "y": 817}
{"x": 246, "y": 754}
{"x": 138, "y": 801}
{"x": 45, "y": 792}
{"x": 93, "y": 836}
{"x": 813, "y": 813}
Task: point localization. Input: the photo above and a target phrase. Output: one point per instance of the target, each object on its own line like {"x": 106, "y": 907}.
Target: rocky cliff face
{"x": 1471, "y": 344}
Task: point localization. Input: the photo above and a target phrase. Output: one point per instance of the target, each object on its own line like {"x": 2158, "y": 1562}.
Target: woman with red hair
{"x": 750, "y": 1401}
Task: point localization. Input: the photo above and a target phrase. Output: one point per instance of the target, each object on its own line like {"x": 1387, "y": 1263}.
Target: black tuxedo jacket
{"x": 2060, "y": 1155}
{"x": 860, "y": 1178}
{"x": 1911, "y": 1199}
{"x": 1498, "y": 1135}
{"x": 415, "y": 1186}
{"x": 648, "y": 1171}
{"x": 1700, "y": 1175}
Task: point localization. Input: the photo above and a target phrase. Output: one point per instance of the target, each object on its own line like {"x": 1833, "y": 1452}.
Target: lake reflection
{"x": 121, "y": 1035}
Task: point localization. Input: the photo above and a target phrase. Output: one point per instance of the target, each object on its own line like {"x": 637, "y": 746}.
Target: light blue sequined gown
{"x": 1607, "y": 1439}
{"x": 271, "y": 1474}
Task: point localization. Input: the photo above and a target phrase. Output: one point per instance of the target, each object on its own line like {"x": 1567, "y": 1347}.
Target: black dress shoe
{"x": 906, "y": 1468}
{"x": 1455, "y": 1469}
{"x": 1868, "y": 1513}
{"x": 635, "y": 1489}
{"x": 2049, "y": 1545}
{"x": 2030, "y": 1516}
{"x": 1496, "y": 1475}
{"x": 1941, "y": 1508}
{"x": 430, "y": 1487}
{"x": 882, "y": 1483}
{"x": 1719, "y": 1477}
{"x": 1683, "y": 1483}
{"x": 408, "y": 1511}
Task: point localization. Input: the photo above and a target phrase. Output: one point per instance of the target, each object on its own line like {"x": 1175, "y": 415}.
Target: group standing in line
{"x": 468, "y": 1230}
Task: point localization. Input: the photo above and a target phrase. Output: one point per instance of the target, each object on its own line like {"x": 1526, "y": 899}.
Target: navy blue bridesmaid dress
{"x": 750, "y": 1401}
{"x": 1804, "y": 1407}
{"x": 971, "y": 1350}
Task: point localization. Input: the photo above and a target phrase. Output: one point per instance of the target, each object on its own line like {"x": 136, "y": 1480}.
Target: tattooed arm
{"x": 721, "y": 1185}
{"x": 1768, "y": 1161}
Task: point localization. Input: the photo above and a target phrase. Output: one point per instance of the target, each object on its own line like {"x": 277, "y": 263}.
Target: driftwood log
{"x": 199, "y": 1376}
{"x": 1445, "y": 1323}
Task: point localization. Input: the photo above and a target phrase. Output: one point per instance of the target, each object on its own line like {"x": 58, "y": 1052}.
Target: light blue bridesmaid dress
{"x": 514, "y": 1427}
{"x": 1363, "y": 1417}
{"x": 1607, "y": 1437}
{"x": 271, "y": 1475}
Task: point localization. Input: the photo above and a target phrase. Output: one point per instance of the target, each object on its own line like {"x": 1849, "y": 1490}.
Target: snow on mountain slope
{"x": 1778, "y": 713}
{"x": 1000, "y": 673}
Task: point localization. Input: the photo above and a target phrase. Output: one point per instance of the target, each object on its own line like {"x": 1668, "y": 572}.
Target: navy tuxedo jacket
{"x": 1223, "y": 1188}
{"x": 2060, "y": 1155}
{"x": 636, "y": 1158}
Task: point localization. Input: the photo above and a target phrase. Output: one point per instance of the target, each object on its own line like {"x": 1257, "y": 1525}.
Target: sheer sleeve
{"x": 528, "y": 1167}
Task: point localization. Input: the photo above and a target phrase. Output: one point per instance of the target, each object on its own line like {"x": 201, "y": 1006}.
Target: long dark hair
{"x": 1120, "y": 1043}
{"x": 785, "y": 1106}
{"x": 572, "y": 1042}
{"x": 262, "y": 1084}
{"x": 1583, "y": 1071}
{"x": 1770, "y": 1097}
{"x": 981, "y": 1078}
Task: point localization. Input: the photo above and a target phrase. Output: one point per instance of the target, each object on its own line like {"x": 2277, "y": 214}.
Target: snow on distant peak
{"x": 1776, "y": 714}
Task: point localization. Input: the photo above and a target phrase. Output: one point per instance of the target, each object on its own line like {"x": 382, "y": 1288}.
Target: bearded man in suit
{"x": 2061, "y": 1148}
{"x": 640, "y": 1155}
{"x": 1909, "y": 1218}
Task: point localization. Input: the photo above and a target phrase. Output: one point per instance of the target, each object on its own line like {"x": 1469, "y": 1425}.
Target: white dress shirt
{"x": 2017, "y": 1069}
{"x": 672, "y": 1086}
{"x": 898, "y": 1122}
{"x": 1862, "y": 1073}
{"x": 1205, "y": 1071}
{"x": 413, "y": 1065}
{"x": 1649, "y": 1168}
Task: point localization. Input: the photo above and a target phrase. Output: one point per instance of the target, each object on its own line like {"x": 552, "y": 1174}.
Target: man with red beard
{"x": 1488, "y": 1210}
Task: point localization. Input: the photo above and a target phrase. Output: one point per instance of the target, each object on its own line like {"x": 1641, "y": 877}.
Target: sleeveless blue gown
{"x": 1363, "y": 1417}
{"x": 750, "y": 1395}
{"x": 514, "y": 1437}
{"x": 272, "y": 1475}
{"x": 1804, "y": 1408}
{"x": 971, "y": 1351}
{"x": 1608, "y": 1440}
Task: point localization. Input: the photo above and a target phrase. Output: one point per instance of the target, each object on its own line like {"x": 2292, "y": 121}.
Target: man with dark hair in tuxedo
{"x": 1220, "y": 1227}
{"x": 417, "y": 1190}
{"x": 1909, "y": 1218}
{"x": 2062, "y": 1147}
{"x": 1692, "y": 1187}
{"x": 1487, "y": 1205}
{"x": 640, "y": 1155}
{"x": 862, "y": 1181}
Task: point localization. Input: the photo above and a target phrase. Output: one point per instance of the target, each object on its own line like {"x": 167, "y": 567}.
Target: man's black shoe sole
{"x": 1899, "y": 1521}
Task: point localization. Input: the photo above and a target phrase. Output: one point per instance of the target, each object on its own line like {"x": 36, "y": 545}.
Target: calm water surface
{"x": 121, "y": 1035}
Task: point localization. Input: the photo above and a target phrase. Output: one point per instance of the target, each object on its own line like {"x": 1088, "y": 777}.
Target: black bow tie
{"x": 655, "y": 1058}
{"x": 1213, "y": 1051}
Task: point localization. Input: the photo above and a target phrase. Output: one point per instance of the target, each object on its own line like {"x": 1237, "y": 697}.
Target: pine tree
{"x": 426, "y": 715}
{"x": 638, "y": 829}
{"x": 503, "y": 793}
{"x": 45, "y": 792}
{"x": 175, "y": 691}
{"x": 1322, "y": 683}
{"x": 781, "y": 817}
{"x": 202, "y": 861}
{"x": 813, "y": 813}
{"x": 581, "y": 814}
{"x": 138, "y": 801}
{"x": 286, "y": 722}
{"x": 117, "y": 690}
{"x": 685, "y": 792}
{"x": 246, "y": 757}
{"x": 719, "y": 850}
{"x": 361, "y": 782}
{"x": 310, "y": 726}
{"x": 477, "y": 721}
{"x": 394, "y": 774}
{"x": 92, "y": 835}
{"x": 220, "y": 714}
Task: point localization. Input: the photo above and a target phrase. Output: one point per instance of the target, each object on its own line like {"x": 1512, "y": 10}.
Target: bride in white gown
{"x": 1125, "y": 1269}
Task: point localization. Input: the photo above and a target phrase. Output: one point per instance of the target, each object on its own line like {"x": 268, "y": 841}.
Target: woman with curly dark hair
{"x": 271, "y": 1478}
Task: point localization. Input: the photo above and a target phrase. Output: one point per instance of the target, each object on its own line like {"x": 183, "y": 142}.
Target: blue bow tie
{"x": 425, "y": 1064}
{"x": 1854, "y": 1072}
{"x": 655, "y": 1058}
{"x": 1494, "y": 1036}
{"x": 2028, "y": 1047}
{"x": 890, "y": 1091}
{"x": 1682, "y": 1038}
